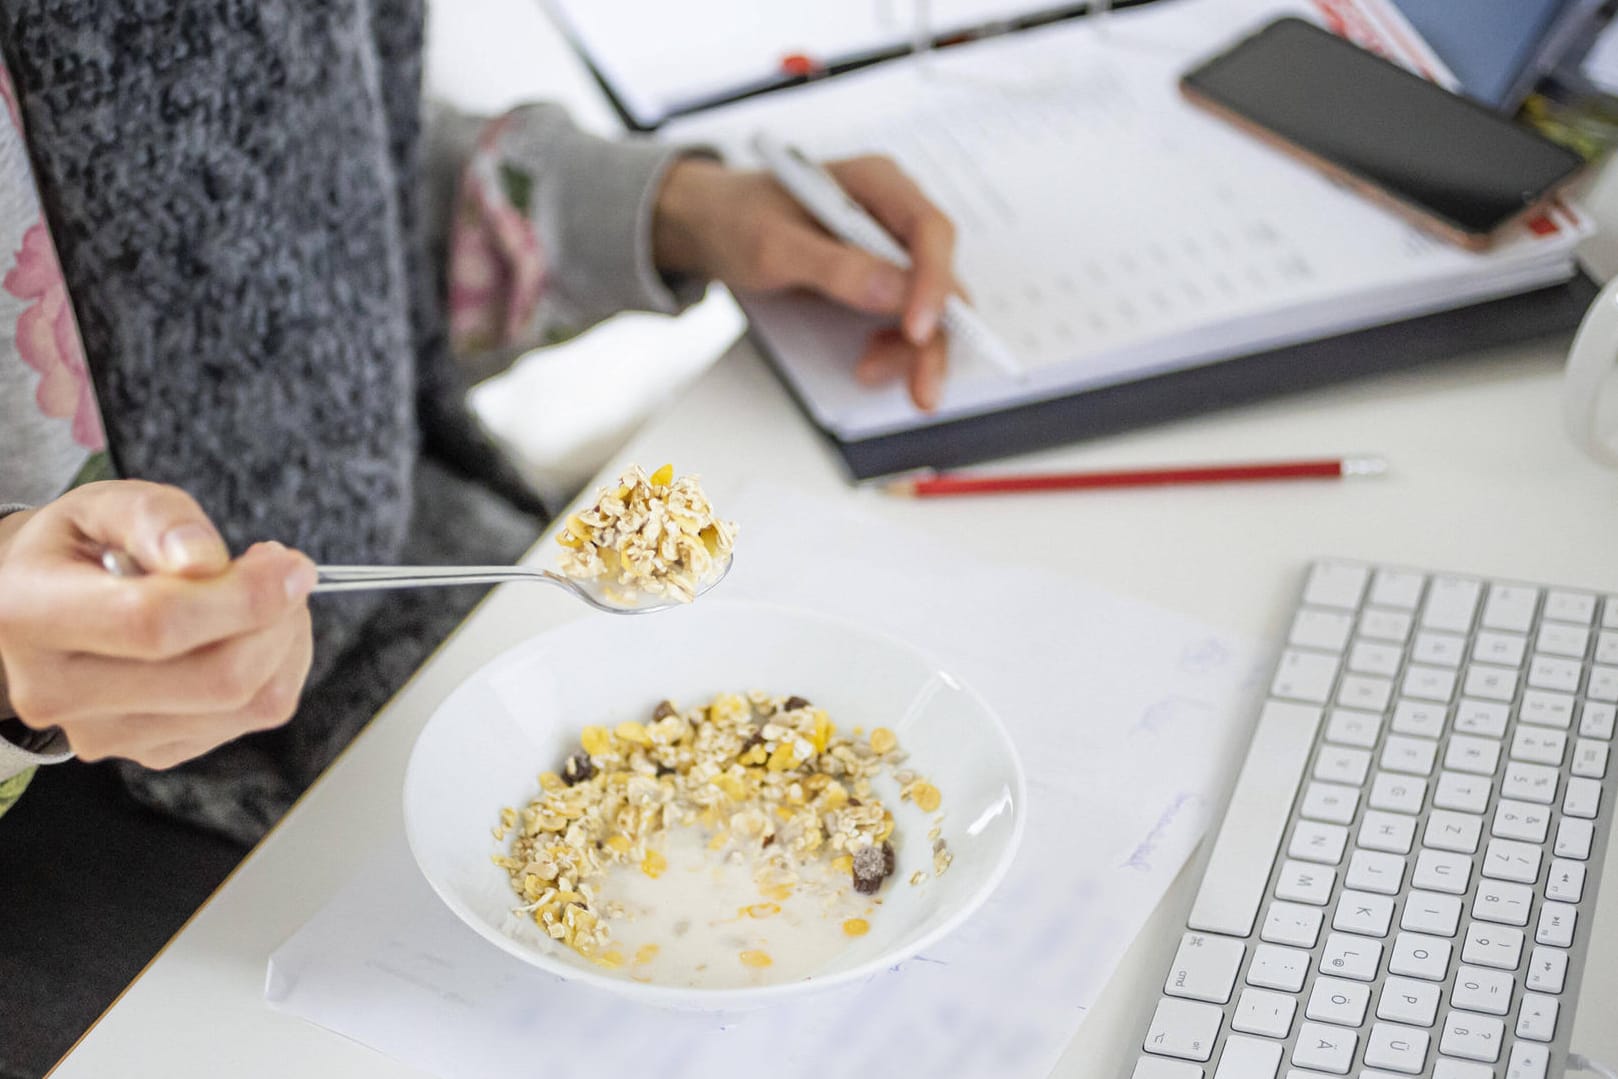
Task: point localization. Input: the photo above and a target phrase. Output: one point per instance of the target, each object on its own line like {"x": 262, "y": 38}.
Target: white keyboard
{"x": 1403, "y": 881}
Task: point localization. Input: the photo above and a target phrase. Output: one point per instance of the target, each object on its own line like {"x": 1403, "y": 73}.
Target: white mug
{"x": 1589, "y": 368}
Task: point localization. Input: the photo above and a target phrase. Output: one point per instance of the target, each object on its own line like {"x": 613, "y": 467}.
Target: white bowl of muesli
{"x": 716, "y": 808}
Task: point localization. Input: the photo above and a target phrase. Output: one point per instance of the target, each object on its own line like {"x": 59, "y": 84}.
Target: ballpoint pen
{"x": 825, "y": 200}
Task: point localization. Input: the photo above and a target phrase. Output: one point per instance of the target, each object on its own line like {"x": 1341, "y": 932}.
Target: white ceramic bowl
{"x": 521, "y": 714}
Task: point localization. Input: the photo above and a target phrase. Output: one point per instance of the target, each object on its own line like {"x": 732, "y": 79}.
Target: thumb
{"x": 846, "y": 274}
{"x": 162, "y": 527}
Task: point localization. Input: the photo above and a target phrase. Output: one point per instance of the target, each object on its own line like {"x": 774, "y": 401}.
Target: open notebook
{"x": 1109, "y": 231}
{"x": 661, "y": 59}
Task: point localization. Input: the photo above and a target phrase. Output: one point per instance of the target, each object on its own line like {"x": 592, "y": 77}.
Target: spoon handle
{"x": 357, "y": 578}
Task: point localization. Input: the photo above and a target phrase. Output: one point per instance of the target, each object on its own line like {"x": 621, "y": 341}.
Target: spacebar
{"x": 1239, "y": 868}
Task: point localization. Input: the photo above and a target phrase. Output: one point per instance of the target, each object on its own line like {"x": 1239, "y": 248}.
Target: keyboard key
{"x": 1159, "y": 1068}
{"x": 1290, "y": 923}
{"x": 1336, "y": 764}
{"x": 1510, "y": 607}
{"x": 1420, "y": 956}
{"x": 1407, "y": 1001}
{"x": 1349, "y": 956}
{"x": 1316, "y": 842}
{"x": 1330, "y": 802}
{"x": 1301, "y": 882}
{"x": 1421, "y": 718}
{"x": 1603, "y": 683}
{"x": 1261, "y": 1012}
{"x": 1205, "y": 968}
{"x": 1365, "y": 913}
{"x": 1536, "y": 1019}
{"x": 1607, "y": 647}
{"x": 1333, "y": 1000}
{"x": 1609, "y": 613}
{"x": 1560, "y": 639}
{"x": 1489, "y": 683}
{"x": 1375, "y": 871}
{"x": 1392, "y": 832}
{"x": 1553, "y": 672}
{"x": 1183, "y": 1028}
{"x": 1335, "y": 584}
{"x": 1468, "y": 753}
{"x": 1428, "y": 683}
{"x": 1249, "y": 1058}
{"x": 1487, "y": 718}
{"x": 1275, "y": 967}
{"x": 1561, "y": 606}
{"x": 1305, "y": 676}
{"x": 1430, "y": 912}
{"x": 1506, "y": 859}
{"x": 1369, "y": 657}
{"x": 1324, "y": 1047}
{"x": 1438, "y": 649}
{"x": 1450, "y": 604}
{"x": 1547, "y": 969}
{"x": 1583, "y": 798}
{"x": 1385, "y": 625}
{"x": 1497, "y": 946}
{"x": 1316, "y": 628}
{"x": 1597, "y": 720}
{"x": 1404, "y": 1049}
{"x": 1352, "y": 727}
{"x": 1480, "y": 990}
{"x": 1472, "y": 1037}
{"x": 1397, "y": 793}
{"x": 1396, "y": 588}
{"x": 1461, "y": 792}
{"x": 1538, "y": 745}
{"x": 1521, "y": 820}
{"x": 1546, "y": 708}
{"x": 1530, "y": 783}
{"x": 1556, "y": 922}
{"x": 1503, "y": 901}
{"x": 1365, "y": 691}
{"x": 1528, "y": 1061}
{"x": 1414, "y": 756}
{"x": 1589, "y": 758}
{"x": 1448, "y": 830}
{"x": 1255, "y": 821}
{"x": 1504, "y": 649}
{"x": 1565, "y": 881}
{"x": 1442, "y": 871}
{"x": 1573, "y": 838}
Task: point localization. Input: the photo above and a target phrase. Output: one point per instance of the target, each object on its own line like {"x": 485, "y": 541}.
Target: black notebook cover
{"x": 1446, "y": 335}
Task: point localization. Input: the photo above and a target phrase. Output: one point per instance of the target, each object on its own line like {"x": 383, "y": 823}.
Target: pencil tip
{"x": 900, "y": 488}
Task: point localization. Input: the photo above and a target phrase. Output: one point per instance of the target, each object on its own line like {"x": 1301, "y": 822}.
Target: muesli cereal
{"x": 650, "y": 535}
{"x": 770, "y": 782}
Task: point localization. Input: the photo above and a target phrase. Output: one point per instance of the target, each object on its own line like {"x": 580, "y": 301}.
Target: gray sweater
{"x": 250, "y": 222}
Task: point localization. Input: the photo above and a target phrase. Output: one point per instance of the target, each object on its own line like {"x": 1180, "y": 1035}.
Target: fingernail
{"x": 301, "y": 581}
{"x": 885, "y": 289}
{"x": 189, "y": 545}
{"x": 920, "y": 326}
{"x": 927, "y": 395}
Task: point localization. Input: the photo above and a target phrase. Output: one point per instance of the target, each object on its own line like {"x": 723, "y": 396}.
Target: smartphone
{"x": 1447, "y": 163}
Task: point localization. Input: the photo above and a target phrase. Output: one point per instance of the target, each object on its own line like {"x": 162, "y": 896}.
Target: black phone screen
{"x": 1452, "y": 157}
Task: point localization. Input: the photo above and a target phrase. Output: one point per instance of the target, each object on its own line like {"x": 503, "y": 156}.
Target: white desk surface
{"x": 1483, "y": 481}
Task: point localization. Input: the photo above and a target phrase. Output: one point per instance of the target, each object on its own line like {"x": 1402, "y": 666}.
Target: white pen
{"x": 817, "y": 192}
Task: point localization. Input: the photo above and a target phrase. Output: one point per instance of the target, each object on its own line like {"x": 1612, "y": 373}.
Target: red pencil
{"x": 955, "y": 484}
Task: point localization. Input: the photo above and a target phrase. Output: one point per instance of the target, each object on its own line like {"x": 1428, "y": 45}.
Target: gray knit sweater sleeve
{"x": 591, "y": 205}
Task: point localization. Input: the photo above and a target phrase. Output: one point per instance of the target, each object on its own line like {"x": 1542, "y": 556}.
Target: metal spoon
{"x": 603, "y": 597}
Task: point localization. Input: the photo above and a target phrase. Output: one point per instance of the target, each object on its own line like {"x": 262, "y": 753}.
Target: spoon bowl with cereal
{"x": 648, "y": 544}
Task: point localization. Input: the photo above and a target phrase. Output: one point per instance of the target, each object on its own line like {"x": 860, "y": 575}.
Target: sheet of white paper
{"x": 1126, "y": 716}
{"x": 1107, "y": 229}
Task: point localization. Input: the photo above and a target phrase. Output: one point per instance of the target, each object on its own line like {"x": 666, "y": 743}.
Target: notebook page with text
{"x": 1107, "y": 229}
